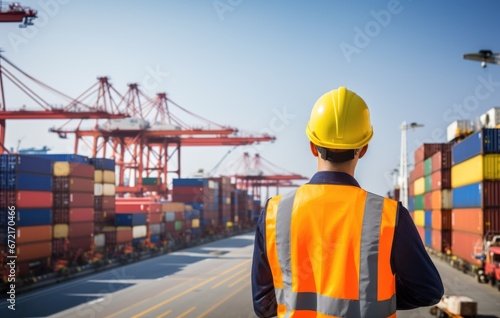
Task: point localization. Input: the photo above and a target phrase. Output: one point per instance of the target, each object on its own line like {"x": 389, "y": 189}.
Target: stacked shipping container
{"x": 104, "y": 198}
{"x": 73, "y": 206}
{"x": 26, "y": 184}
{"x": 476, "y": 192}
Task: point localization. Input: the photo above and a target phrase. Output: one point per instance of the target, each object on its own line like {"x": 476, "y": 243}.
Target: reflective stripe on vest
{"x": 339, "y": 263}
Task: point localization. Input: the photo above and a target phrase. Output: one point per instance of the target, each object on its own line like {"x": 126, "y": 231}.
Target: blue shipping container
{"x": 469, "y": 196}
{"x": 138, "y": 241}
{"x": 65, "y": 157}
{"x": 190, "y": 182}
{"x": 195, "y": 232}
{"x": 130, "y": 219}
{"x": 103, "y": 163}
{"x": 26, "y": 163}
{"x": 25, "y": 181}
{"x": 428, "y": 237}
{"x": 32, "y": 217}
{"x": 154, "y": 239}
{"x": 482, "y": 142}
{"x": 411, "y": 204}
{"x": 428, "y": 219}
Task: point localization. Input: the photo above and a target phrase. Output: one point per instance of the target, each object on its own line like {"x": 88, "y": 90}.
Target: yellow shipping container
{"x": 98, "y": 176}
{"x": 173, "y": 207}
{"x": 475, "y": 170}
{"x": 108, "y": 177}
{"x": 61, "y": 230}
{"x": 195, "y": 223}
{"x": 61, "y": 169}
{"x": 419, "y": 217}
{"x": 419, "y": 186}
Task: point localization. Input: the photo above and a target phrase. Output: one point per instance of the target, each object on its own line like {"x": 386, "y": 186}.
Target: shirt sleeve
{"x": 264, "y": 298}
{"x": 418, "y": 282}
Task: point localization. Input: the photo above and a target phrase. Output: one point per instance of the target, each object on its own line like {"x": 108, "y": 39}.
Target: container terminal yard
{"x": 112, "y": 227}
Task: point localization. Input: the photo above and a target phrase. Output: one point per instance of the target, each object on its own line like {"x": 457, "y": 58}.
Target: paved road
{"x": 212, "y": 280}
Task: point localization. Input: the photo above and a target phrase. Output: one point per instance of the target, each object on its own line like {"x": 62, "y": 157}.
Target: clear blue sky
{"x": 243, "y": 63}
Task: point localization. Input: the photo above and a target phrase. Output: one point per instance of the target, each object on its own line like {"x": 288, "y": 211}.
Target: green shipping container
{"x": 178, "y": 225}
{"x": 428, "y": 183}
{"x": 419, "y": 202}
{"x": 150, "y": 180}
{"x": 427, "y": 167}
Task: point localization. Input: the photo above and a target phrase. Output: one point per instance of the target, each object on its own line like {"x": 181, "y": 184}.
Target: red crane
{"x": 15, "y": 12}
{"x": 253, "y": 174}
{"x": 73, "y": 109}
{"x": 145, "y": 144}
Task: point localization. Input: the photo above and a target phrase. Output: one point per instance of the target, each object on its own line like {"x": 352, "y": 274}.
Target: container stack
{"x": 239, "y": 207}
{"x": 104, "y": 196}
{"x": 421, "y": 187}
{"x": 224, "y": 200}
{"x": 476, "y": 192}
{"x": 437, "y": 199}
{"x": 73, "y": 206}
{"x": 26, "y": 187}
{"x": 201, "y": 194}
{"x": 132, "y": 214}
{"x": 176, "y": 216}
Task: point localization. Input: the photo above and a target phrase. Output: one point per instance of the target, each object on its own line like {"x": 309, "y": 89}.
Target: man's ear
{"x": 314, "y": 150}
{"x": 363, "y": 151}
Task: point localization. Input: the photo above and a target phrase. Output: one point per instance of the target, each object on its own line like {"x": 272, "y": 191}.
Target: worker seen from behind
{"x": 332, "y": 249}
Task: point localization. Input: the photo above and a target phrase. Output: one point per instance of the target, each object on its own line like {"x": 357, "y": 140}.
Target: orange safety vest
{"x": 329, "y": 249}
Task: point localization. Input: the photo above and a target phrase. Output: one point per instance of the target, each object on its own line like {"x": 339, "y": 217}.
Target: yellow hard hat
{"x": 340, "y": 119}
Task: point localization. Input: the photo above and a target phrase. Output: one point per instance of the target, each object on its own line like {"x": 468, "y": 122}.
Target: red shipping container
{"x": 491, "y": 194}
{"x": 69, "y": 184}
{"x": 169, "y": 227}
{"x": 73, "y": 200}
{"x": 465, "y": 245}
{"x": 66, "y": 215}
{"x": 441, "y": 219}
{"x": 179, "y": 215}
{"x": 99, "y": 216}
{"x": 80, "y": 229}
{"x": 31, "y": 234}
{"x": 441, "y": 179}
{"x": 427, "y": 150}
{"x": 428, "y": 201}
{"x": 109, "y": 217}
{"x": 60, "y": 246}
{"x": 155, "y": 218}
{"x": 441, "y": 160}
{"x": 26, "y": 199}
{"x": 191, "y": 190}
{"x": 131, "y": 207}
{"x": 82, "y": 244}
{"x": 411, "y": 189}
{"x": 105, "y": 202}
{"x": 441, "y": 240}
{"x": 33, "y": 251}
{"x": 187, "y": 224}
{"x": 418, "y": 171}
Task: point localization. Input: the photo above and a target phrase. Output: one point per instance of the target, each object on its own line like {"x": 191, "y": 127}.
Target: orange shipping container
{"x": 441, "y": 199}
{"x": 465, "y": 245}
{"x": 31, "y": 234}
{"x": 467, "y": 220}
{"x": 33, "y": 251}
{"x": 441, "y": 219}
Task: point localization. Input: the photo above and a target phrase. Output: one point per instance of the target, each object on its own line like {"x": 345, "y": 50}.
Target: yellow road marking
{"x": 186, "y": 312}
{"x": 223, "y": 301}
{"x": 164, "y": 314}
{"x": 144, "y": 300}
{"x": 225, "y": 280}
{"x": 239, "y": 280}
{"x": 190, "y": 289}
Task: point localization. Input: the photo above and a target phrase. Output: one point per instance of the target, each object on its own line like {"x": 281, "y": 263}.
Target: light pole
{"x": 404, "y": 162}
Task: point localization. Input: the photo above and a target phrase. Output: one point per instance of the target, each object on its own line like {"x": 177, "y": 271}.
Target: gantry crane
{"x": 72, "y": 110}
{"x": 144, "y": 145}
{"x": 253, "y": 174}
{"x": 15, "y": 12}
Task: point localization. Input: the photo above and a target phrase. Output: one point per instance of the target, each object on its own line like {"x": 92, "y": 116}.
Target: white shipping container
{"x": 129, "y": 123}
{"x": 139, "y": 231}
{"x": 98, "y": 189}
{"x": 169, "y": 216}
{"x": 490, "y": 119}
{"x": 458, "y": 127}
{"x": 160, "y": 126}
{"x": 447, "y": 202}
{"x": 108, "y": 189}
{"x": 100, "y": 240}
{"x": 154, "y": 229}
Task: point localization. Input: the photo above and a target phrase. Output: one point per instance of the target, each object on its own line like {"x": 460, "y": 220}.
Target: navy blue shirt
{"x": 418, "y": 282}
